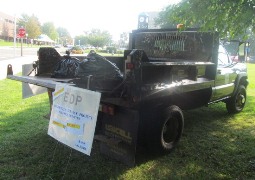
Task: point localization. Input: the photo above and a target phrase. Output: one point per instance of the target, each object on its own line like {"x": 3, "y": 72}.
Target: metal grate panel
{"x": 175, "y": 46}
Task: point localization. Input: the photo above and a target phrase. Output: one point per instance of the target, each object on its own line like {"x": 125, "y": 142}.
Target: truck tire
{"x": 166, "y": 131}
{"x": 237, "y": 102}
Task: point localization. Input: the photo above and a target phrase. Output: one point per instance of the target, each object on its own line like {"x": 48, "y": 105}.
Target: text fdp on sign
{"x": 73, "y": 116}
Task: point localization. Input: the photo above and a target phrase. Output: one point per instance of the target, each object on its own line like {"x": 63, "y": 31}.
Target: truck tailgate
{"x": 46, "y": 82}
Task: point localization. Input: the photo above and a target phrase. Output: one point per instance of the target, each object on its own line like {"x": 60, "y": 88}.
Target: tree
{"x": 98, "y": 38}
{"x": 123, "y": 40}
{"x": 31, "y": 24}
{"x": 49, "y": 29}
{"x": 81, "y": 40}
{"x": 33, "y": 27}
{"x": 166, "y": 18}
{"x": 23, "y": 20}
{"x": 64, "y": 35}
{"x": 229, "y": 17}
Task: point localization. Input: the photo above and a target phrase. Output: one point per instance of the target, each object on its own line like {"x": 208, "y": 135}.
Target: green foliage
{"x": 95, "y": 37}
{"x": 22, "y": 22}
{"x": 166, "y": 18}
{"x": 63, "y": 32}
{"x": 98, "y": 38}
{"x": 230, "y": 17}
{"x": 81, "y": 40}
{"x": 111, "y": 49}
{"x": 64, "y": 35}
{"x": 76, "y": 50}
{"x": 31, "y": 24}
{"x": 33, "y": 27}
{"x": 119, "y": 52}
{"x": 49, "y": 29}
{"x": 6, "y": 43}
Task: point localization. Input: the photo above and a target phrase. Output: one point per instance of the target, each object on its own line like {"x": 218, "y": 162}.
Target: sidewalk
{"x": 16, "y": 64}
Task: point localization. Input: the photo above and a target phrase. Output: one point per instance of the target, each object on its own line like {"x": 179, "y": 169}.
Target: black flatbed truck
{"x": 165, "y": 72}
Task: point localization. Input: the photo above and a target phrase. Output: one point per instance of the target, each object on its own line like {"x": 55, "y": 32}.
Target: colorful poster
{"x": 73, "y": 116}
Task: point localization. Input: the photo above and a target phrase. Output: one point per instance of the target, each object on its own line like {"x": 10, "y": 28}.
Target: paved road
{"x": 11, "y": 52}
{"x": 16, "y": 64}
{"x": 7, "y": 56}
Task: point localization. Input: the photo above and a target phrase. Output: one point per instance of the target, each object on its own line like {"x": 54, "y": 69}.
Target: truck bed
{"x": 150, "y": 92}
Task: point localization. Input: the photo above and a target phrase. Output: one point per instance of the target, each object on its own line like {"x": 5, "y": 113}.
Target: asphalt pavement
{"x": 8, "y": 52}
{"x": 9, "y": 55}
{"x": 16, "y": 63}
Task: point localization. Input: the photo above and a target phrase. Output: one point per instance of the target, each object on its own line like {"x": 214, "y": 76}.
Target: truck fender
{"x": 165, "y": 130}
{"x": 241, "y": 79}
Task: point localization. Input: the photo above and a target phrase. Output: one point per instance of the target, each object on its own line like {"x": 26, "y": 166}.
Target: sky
{"x": 114, "y": 16}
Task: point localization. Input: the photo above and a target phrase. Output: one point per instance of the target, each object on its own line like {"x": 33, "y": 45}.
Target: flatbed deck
{"x": 47, "y": 82}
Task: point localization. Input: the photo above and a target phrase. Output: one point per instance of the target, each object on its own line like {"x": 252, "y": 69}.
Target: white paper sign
{"x": 73, "y": 116}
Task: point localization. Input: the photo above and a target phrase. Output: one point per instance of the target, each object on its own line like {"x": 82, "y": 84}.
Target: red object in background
{"x": 21, "y": 33}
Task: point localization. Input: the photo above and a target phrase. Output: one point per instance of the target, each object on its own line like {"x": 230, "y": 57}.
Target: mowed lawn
{"x": 214, "y": 145}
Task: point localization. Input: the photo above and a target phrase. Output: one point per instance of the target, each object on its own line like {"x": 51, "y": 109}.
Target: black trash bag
{"x": 66, "y": 68}
{"x": 99, "y": 67}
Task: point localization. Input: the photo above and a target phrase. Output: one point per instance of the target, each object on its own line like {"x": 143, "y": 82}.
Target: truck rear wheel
{"x": 236, "y": 103}
{"x": 166, "y": 131}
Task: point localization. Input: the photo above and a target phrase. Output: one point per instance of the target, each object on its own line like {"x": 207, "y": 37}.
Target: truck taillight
{"x": 108, "y": 109}
{"x": 129, "y": 66}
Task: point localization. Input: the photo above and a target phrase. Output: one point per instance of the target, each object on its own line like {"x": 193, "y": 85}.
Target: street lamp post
{"x": 15, "y": 35}
{"x": 79, "y": 42}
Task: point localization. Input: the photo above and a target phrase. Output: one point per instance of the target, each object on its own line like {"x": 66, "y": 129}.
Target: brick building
{"x": 7, "y": 25}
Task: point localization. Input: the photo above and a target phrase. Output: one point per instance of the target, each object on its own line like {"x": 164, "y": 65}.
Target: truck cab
{"x": 230, "y": 75}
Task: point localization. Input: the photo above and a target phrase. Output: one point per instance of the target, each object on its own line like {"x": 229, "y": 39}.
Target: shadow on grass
{"x": 213, "y": 146}
{"x": 26, "y": 151}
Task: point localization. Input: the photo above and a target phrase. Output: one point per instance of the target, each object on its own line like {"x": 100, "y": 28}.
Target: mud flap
{"x": 29, "y": 90}
{"x": 119, "y": 138}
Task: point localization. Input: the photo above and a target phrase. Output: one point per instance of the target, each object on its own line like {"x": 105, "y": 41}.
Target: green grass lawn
{"x": 214, "y": 145}
{"x": 18, "y": 44}
{"x": 5, "y": 43}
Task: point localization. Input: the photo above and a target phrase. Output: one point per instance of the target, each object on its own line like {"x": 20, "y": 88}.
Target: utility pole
{"x": 14, "y": 35}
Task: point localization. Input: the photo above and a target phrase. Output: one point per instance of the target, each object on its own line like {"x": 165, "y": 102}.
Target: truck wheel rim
{"x": 170, "y": 132}
{"x": 240, "y": 101}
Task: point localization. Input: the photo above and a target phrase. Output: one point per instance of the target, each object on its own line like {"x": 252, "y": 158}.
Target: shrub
{"x": 111, "y": 49}
{"x": 76, "y": 50}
